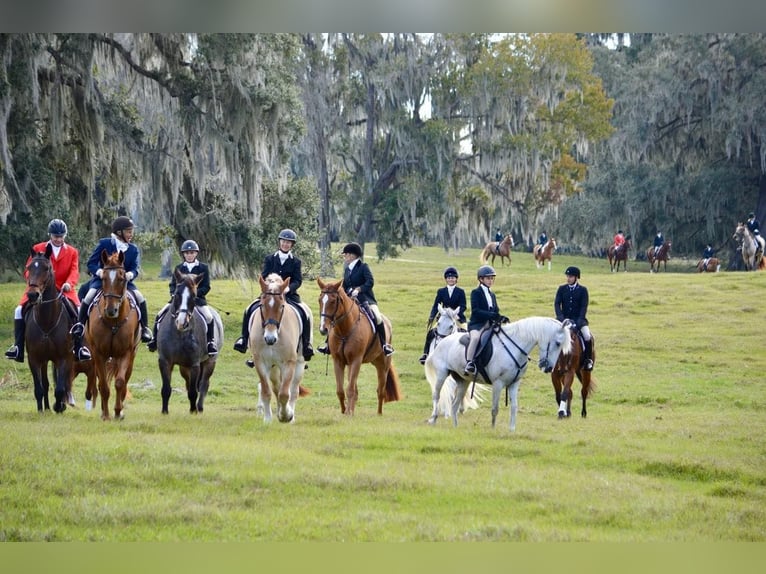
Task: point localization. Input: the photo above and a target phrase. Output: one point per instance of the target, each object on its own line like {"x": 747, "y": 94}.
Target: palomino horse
{"x": 47, "y": 335}
{"x": 713, "y": 265}
{"x": 751, "y": 256}
{"x": 567, "y": 367}
{"x": 511, "y": 344}
{"x": 353, "y": 341}
{"x": 662, "y": 256}
{"x": 275, "y": 341}
{"x": 182, "y": 341}
{"x": 113, "y": 333}
{"x": 544, "y": 253}
{"x": 497, "y": 248}
{"x": 617, "y": 254}
{"x": 447, "y": 323}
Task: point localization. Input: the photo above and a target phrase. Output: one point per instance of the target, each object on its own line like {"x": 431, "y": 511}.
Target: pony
{"x": 544, "y": 253}
{"x": 447, "y": 323}
{"x": 275, "y": 342}
{"x": 713, "y": 265}
{"x": 353, "y": 341}
{"x": 617, "y": 254}
{"x": 113, "y": 333}
{"x": 182, "y": 341}
{"x": 46, "y": 335}
{"x": 510, "y": 345}
{"x": 497, "y": 248}
{"x": 750, "y": 255}
{"x": 662, "y": 256}
{"x": 567, "y": 367}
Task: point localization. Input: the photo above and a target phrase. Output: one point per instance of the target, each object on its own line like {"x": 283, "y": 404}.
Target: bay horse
{"x": 113, "y": 333}
{"x": 750, "y": 255}
{"x": 617, "y": 254}
{"x": 182, "y": 341}
{"x": 46, "y": 334}
{"x": 276, "y": 344}
{"x": 511, "y": 344}
{"x": 353, "y": 341}
{"x": 497, "y": 248}
{"x": 447, "y": 323}
{"x": 567, "y": 367}
{"x": 713, "y": 265}
{"x": 662, "y": 256}
{"x": 544, "y": 253}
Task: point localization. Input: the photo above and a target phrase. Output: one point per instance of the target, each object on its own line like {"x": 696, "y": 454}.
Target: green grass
{"x": 672, "y": 449}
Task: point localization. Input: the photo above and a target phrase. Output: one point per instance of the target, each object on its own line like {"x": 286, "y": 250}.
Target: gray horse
{"x": 182, "y": 341}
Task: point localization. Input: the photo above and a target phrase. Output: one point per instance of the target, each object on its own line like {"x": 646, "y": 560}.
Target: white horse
{"x": 750, "y": 255}
{"x": 447, "y": 323}
{"x": 511, "y": 345}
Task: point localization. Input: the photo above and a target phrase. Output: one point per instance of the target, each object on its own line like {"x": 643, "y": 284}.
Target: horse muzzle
{"x": 545, "y": 365}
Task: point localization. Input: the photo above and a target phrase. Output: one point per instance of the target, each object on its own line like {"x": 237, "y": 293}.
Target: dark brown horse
{"x": 567, "y": 367}
{"x": 500, "y": 249}
{"x": 47, "y": 337}
{"x": 662, "y": 256}
{"x": 544, "y": 253}
{"x": 617, "y": 254}
{"x": 353, "y": 341}
{"x": 113, "y": 333}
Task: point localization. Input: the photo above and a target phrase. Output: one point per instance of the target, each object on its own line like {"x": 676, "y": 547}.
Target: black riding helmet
{"x": 288, "y": 235}
{"x": 122, "y": 223}
{"x": 353, "y": 248}
{"x": 486, "y": 271}
{"x": 189, "y": 245}
{"x": 57, "y": 227}
{"x": 450, "y": 272}
{"x": 573, "y": 271}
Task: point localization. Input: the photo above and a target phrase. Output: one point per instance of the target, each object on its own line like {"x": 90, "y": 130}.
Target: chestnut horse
{"x": 544, "y": 253}
{"x": 497, "y": 248}
{"x": 353, "y": 341}
{"x": 275, "y": 341}
{"x": 567, "y": 367}
{"x": 617, "y": 254}
{"x": 713, "y": 265}
{"x": 47, "y": 335}
{"x": 113, "y": 333}
{"x": 662, "y": 256}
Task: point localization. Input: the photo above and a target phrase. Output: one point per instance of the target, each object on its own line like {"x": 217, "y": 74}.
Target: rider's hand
{"x": 355, "y": 293}
{"x": 99, "y": 273}
{"x": 504, "y": 319}
{"x": 66, "y": 287}
{"x": 129, "y": 276}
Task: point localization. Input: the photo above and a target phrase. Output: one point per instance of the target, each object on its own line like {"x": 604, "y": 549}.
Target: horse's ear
{"x": 198, "y": 278}
{"x": 120, "y": 257}
{"x": 320, "y": 283}
{"x": 48, "y": 250}
{"x": 441, "y": 308}
{"x": 178, "y": 275}
{"x": 104, "y": 257}
{"x": 262, "y": 282}
{"x": 285, "y": 283}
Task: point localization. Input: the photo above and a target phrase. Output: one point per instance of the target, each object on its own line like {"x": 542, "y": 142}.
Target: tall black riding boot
{"x": 81, "y": 352}
{"x": 146, "y": 333}
{"x": 381, "y": 330}
{"x": 588, "y": 356}
{"x": 308, "y": 350}
{"x": 241, "y": 343}
{"x": 16, "y": 352}
{"x": 212, "y": 348}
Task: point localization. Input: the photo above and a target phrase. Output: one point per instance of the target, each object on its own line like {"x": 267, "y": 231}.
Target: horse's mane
{"x": 536, "y": 327}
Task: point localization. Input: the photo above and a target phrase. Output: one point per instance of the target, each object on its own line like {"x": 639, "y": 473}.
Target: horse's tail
{"x": 588, "y": 384}
{"x": 449, "y": 389}
{"x": 483, "y": 256}
{"x": 393, "y": 392}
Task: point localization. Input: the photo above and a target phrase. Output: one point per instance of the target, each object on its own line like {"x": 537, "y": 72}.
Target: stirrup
{"x": 12, "y": 352}
{"x": 152, "y": 345}
{"x": 83, "y": 354}
{"x": 470, "y": 368}
{"x": 388, "y": 350}
{"x": 588, "y": 365}
{"x": 78, "y": 329}
{"x": 308, "y": 352}
{"x": 146, "y": 335}
{"x": 423, "y": 358}
{"x": 212, "y": 348}
{"x": 324, "y": 349}
{"x": 250, "y": 363}
{"x": 240, "y": 345}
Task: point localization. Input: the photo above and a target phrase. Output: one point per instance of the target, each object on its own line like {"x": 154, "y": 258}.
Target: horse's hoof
{"x": 562, "y": 415}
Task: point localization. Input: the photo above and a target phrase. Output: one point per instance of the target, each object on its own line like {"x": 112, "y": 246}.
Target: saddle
{"x": 483, "y": 349}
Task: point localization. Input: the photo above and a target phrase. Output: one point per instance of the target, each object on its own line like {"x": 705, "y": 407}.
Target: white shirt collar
{"x": 121, "y": 245}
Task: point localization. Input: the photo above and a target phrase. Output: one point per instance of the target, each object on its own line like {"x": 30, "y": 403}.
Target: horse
{"x": 353, "y": 341}
{"x": 510, "y": 344}
{"x": 567, "y": 367}
{"x": 275, "y": 342}
{"x": 617, "y": 254}
{"x": 46, "y": 334}
{"x": 447, "y": 323}
{"x": 113, "y": 333}
{"x": 750, "y": 255}
{"x": 662, "y": 256}
{"x": 182, "y": 341}
{"x": 544, "y": 253}
{"x": 497, "y": 248}
{"x": 713, "y": 265}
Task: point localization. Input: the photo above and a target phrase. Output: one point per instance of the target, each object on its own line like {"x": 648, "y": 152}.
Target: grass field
{"x": 673, "y": 448}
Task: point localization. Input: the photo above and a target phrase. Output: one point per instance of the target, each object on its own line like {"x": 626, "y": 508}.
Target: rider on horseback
{"x": 450, "y": 296}
{"x": 659, "y": 240}
{"x": 484, "y": 313}
{"x": 619, "y": 241}
{"x": 754, "y": 227}
{"x": 66, "y": 268}
{"x": 572, "y": 303}
{"x": 543, "y": 239}
{"x": 190, "y": 265}
{"x": 706, "y": 255}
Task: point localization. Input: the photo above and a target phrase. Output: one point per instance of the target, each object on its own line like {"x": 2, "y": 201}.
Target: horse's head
{"x": 508, "y": 240}
{"x": 272, "y": 305}
{"x": 184, "y": 299}
{"x": 114, "y": 283}
{"x": 446, "y": 322}
{"x": 333, "y": 304}
{"x": 40, "y": 275}
{"x": 558, "y": 341}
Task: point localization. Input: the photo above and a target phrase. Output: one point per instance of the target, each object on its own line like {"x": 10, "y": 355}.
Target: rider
{"x": 754, "y": 227}
{"x": 190, "y": 264}
{"x": 450, "y": 296}
{"x": 121, "y": 239}
{"x": 484, "y": 313}
{"x": 659, "y": 240}
{"x": 286, "y": 264}
{"x": 619, "y": 241}
{"x": 498, "y": 235}
{"x": 65, "y": 261}
{"x": 706, "y": 255}
{"x": 358, "y": 282}
{"x": 571, "y": 303}
{"x": 543, "y": 239}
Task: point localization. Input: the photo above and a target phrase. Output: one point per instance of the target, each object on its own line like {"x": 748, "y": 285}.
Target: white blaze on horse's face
{"x": 183, "y": 317}
{"x": 323, "y": 314}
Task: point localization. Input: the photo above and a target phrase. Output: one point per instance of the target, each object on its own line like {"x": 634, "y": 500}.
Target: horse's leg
{"x": 584, "y": 377}
{"x": 437, "y": 375}
{"x": 352, "y": 389}
{"x": 461, "y": 386}
{"x": 549, "y": 264}
{"x": 103, "y": 389}
{"x": 37, "y": 379}
{"x": 496, "y": 390}
{"x": 207, "y": 369}
{"x": 120, "y": 389}
{"x": 192, "y": 386}
{"x": 264, "y": 389}
{"x": 514, "y": 392}
{"x": 339, "y": 375}
{"x": 61, "y": 373}
{"x": 166, "y": 372}
{"x": 285, "y": 411}
{"x": 565, "y": 400}
{"x": 556, "y": 380}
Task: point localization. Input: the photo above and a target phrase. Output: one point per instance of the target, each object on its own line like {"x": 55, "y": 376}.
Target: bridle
{"x": 332, "y": 318}
{"x": 280, "y": 300}
{"x": 186, "y": 307}
{"x": 106, "y": 295}
{"x": 40, "y": 289}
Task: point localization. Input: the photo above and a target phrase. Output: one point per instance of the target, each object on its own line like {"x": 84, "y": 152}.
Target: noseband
{"x": 40, "y": 289}
{"x": 112, "y": 295}
{"x": 332, "y": 318}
